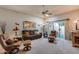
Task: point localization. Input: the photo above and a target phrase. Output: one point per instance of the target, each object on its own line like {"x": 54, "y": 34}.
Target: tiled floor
{"x": 42, "y": 46}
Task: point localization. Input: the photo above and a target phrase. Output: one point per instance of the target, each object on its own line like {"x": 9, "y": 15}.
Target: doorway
{"x": 60, "y": 29}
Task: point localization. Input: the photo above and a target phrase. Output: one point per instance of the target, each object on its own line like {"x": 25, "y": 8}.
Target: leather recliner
{"x": 10, "y": 49}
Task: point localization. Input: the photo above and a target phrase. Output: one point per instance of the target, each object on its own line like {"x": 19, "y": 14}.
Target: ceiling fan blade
{"x": 50, "y": 13}
{"x": 46, "y": 11}
{"x": 43, "y": 12}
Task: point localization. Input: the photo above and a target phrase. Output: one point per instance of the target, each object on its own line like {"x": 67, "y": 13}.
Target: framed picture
{"x": 77, "y": 25}
{"x": 28, "y": 25}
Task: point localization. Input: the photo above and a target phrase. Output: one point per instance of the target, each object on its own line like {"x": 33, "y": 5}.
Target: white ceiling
{"x": 35, "y": 10}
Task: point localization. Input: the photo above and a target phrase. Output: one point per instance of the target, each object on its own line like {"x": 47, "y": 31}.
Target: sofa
{"x": 31, "y": 34}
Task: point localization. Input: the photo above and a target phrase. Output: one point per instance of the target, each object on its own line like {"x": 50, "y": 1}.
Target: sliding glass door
{"x": 60, "y": 29}
{"x": 58, "y": 26}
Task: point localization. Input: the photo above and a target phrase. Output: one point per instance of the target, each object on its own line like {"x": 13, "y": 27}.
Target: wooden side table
{"x": 75, "y": 39}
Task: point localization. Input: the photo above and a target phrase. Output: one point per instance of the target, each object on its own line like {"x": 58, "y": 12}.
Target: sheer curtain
{"x": 67, "y": 29}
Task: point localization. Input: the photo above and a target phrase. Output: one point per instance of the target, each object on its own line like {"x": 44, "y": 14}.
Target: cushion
{"x": 9, "y": 42}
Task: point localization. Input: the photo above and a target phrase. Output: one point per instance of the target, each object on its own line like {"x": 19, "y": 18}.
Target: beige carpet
{"x": 42, "y": 46}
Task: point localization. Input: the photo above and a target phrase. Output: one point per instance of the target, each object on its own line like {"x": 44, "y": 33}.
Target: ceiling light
{"x": 46, "y": 15}
{"x": 75, "y": 21}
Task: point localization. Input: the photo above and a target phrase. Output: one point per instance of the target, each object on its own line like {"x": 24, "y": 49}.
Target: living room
{"x": 35, "y": 20}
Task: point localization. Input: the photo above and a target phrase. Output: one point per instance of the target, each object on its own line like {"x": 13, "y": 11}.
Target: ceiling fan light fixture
{"x": 46, "y": 15}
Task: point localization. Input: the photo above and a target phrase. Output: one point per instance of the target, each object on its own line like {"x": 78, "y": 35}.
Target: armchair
{"x": 52, "y": 36}
{"x": 10, "y": 49}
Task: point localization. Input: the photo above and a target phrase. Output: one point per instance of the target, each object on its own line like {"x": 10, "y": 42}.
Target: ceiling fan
{"x": 45, "y": 11}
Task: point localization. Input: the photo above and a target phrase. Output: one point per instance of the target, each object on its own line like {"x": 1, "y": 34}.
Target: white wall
{"x": 10, "y": 17}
